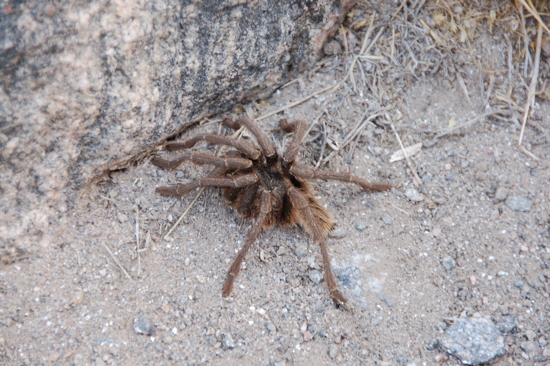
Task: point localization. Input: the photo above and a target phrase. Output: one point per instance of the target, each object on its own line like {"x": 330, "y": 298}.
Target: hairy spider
{"x": 264, "y": 185}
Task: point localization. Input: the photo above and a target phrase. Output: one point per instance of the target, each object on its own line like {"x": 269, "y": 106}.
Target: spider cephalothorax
{"x": 266, "y": 186}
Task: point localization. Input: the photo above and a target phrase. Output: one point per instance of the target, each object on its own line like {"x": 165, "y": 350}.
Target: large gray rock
{"x": 87, "y": 87}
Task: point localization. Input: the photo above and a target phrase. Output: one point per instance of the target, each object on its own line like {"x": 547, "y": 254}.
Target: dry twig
{"x": 531, "y": 92}
{"x": 447, "y": 131}
{"x": 117, "y": 261}
{"x": 409, "y": 162}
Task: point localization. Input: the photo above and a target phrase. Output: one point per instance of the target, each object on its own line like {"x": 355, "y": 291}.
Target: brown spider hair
{"x": 265, "y": 186}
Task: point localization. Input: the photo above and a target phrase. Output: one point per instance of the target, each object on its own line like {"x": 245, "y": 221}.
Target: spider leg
{"x": 253, "y": 233}
{"x": 216, "y": 181}
{"x": 265, "y": 143}
{"x": 304, "y": 172}
{"x": 300, "y": 202}
{"x": 223, "y": 162}
{"x": 245, "y": 147}
{"x": 299, "y": 128}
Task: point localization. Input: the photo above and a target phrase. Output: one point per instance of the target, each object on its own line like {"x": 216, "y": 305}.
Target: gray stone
{"x": 388, "y": 220}
{"x": 501, "y": 193}
{"x": 440, "y": 326}
{"x": 449, "y": 263}
{"x": 413, "y": 195}
{"x": 360, "y": 226}
{"x": 530, "y": 335}
{"x": 529, "y": 346}
{"x": 473, "y": 340}
{"x": 507, "y": 324}
{"x": 91, "y": 86}
{"x": 271, "y": 327}
{"x": 227, "y": 341}
{"x": 143, "y": 326}
{"x": 337, "y": 234}
{"x": 301, "y": 249}
{"x": 333, "y": 351}
{"x": 519, "y": 204}
{"x": 315, "y": 276}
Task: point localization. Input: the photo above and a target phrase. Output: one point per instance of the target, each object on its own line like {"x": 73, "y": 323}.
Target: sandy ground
{"x": 472, "y": 239}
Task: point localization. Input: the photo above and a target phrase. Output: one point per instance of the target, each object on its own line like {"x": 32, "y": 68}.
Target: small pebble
{"x": 450, "y": 177}
{"x": 360, "y": 226}
{"x": 122, "y": 218}
{"x": 337, "y": 234}
{"x": 519, "y": 204}
{"x": 142, "y": 326}
{"x": 473, "y": 279}
{"x": 546, "y": 352}
{"x": 167, "y": 340}
{"x": 332, "y": 48}
{"x": 449, "y": 263}
{"x": 308, "y": 336}
{"x": 78, "y": 298}
{"x": 227, "y": 341}
{"x": 436, "y": 232}
{"x": 315, "y": 276}
{"x": 271, "y": 327}
{"x": 388, "y": 220}
{"x": 530, "y": 335}
{"x": 501, "y": 193}
{"x": 333, "y": 351}
{"x": 165, "y": 307}
{"x": 413, "y": 195}
{"x": 448, "y": 167}
{"x": 103, "y": 272}
{"x": 529, "y": 346}
{"x": 301, "y": 249}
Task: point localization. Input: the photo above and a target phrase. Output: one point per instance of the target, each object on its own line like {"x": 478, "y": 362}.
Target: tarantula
{"x": 265, "y": 185}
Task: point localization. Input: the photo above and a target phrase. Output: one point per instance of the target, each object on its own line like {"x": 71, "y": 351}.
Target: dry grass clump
{"x": 384, "y": 49}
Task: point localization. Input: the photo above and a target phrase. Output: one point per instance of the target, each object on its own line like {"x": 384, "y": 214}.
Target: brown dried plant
{"x": 266, "y": 186}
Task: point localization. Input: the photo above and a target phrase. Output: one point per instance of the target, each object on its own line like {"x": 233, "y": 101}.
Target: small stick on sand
{"x": 447, "y": 131}
{"x": 117, "y": 262}
{"x": 184, "y": 214}
{"x": 409, "y": 162}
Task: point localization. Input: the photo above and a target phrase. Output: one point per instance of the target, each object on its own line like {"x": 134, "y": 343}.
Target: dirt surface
{"x": 473, "y": 239}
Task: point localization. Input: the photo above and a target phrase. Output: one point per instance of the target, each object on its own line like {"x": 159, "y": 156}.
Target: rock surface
{"x": 89, "y": 87}
{"x": 473, "y": 340}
